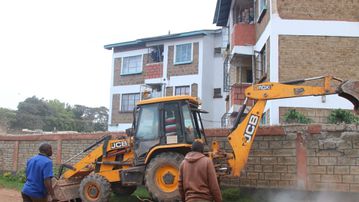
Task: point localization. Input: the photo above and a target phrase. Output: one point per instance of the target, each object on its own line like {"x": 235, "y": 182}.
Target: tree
{"x": 31, "y": 114}
{"x": 62, "y": 117}
{"x": 7, "y": 116}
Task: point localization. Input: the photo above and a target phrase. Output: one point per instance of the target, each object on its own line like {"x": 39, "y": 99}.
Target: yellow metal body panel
{"x": 88, "y": 162}
{"x": 241, "y": 138}
{"x": 165, "y": 147}
{"x": 193, "y": 100}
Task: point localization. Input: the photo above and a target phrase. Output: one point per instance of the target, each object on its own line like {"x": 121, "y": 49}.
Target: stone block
{"x": 354, "y": 170}
{"x": 286, "y": 160}
{"x": 354, "y": 188}
{"x": 288, "y": 176}
{"x": 268, "y": 160}
{"x": 313, "y": 178}
{"x": 280, "y": 168}
{"x": 348, "y": 178}
{"x": 331, "y": 178}
{"x": 275, "y": 144}
{"x": 267, "y": 168}
{"x": 327, "y": 160}
{"x": 284, "y": 152}
{"x": 272, "y": 176}
{"x": 330, "y": 170}
{"x": 316, "y": 169}
{"x": 263, "y": 145}
{"x": 341, "y": 170}
{"x": 289, "y": 144}
{"x": 312, "y": 161}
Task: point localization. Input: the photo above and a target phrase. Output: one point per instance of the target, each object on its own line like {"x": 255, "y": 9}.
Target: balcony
{"x": 243, "y": 35}
{"x": 153, "y": 70}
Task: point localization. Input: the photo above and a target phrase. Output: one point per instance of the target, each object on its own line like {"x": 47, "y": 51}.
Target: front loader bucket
{"x": 66, "y": 190}
{"x": 350, "y": 91}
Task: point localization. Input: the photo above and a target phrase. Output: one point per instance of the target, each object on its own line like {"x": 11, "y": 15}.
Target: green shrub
{"x": 292, "y": 116}
{"x": 338, "y": 116}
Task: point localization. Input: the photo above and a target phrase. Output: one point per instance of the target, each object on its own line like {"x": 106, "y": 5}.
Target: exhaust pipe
{"x": 350, "y": 90}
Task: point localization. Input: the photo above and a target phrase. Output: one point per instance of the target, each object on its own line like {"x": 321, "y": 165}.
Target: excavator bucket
{"x": 66, "y": 190}
{"x": 350, "y": 91}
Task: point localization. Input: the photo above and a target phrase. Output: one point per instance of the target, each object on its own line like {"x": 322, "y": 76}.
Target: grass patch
{"x": 10, "y": 184}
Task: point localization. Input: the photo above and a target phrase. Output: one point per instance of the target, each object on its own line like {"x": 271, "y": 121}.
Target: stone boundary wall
{"x": 301, "y": 157}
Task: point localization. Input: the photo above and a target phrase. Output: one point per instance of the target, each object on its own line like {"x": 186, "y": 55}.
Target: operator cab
{"x": 164, "y": 121}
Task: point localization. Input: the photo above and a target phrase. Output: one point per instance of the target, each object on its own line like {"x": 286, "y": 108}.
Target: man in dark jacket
{"x": 38, "y": 177}
{"x": 197, "y": 179}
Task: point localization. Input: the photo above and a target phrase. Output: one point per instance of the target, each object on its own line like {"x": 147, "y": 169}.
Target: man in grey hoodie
{"x": 197, "y": 180}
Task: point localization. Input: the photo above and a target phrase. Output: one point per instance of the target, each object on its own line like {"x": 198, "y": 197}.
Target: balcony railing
{"x": 243, "y": 35}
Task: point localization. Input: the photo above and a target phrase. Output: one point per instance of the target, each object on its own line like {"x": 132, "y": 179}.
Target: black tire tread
{"x": 104, "y": 184}
{"x": 155, "y": 193}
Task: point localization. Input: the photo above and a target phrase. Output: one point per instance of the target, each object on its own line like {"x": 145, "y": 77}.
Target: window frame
{"x": 134, "y": 104}
{"x": 137, "y": 72}
{"x": 175, "y": 54}
{"x": 179, "y": 87}
{"x": 261, "y": 9}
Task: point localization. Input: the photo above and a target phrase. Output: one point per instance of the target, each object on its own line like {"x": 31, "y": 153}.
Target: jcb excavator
{"x": 162, "y": 133}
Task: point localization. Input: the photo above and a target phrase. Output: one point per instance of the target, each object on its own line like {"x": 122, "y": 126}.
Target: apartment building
{"x": 286, "y": 40}
{"x": 187, "y": 63}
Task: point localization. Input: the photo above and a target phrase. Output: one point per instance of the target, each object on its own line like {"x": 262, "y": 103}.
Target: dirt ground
{"x": 9, "y": 195}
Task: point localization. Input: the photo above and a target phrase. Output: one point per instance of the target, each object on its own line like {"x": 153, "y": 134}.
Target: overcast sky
{"x": 54, "y": 49}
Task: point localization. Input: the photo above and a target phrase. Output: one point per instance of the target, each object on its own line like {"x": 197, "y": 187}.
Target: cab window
{"x": 189, "y": 129}
{"x": 148, "y": 123}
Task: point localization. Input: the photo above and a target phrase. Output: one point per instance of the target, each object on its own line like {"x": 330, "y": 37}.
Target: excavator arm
{"x": 242, "y": 135}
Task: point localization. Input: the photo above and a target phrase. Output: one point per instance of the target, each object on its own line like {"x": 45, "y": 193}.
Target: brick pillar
{"x": 301, "y": 162}
{"x": 15, "y": 156}
{"x": 58, "y": 152}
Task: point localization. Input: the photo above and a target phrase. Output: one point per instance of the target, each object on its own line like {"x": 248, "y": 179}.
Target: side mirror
{"x": 130, "y": 132}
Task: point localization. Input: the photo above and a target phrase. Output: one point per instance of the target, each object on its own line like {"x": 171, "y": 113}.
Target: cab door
{"x": 147, "y": 133}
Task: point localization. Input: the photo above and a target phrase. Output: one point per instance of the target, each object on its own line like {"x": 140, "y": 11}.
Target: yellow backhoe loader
{"x": 162, "y": 133}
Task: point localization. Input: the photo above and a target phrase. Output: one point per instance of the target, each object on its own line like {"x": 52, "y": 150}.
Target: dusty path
{"x": 9, "y": 195}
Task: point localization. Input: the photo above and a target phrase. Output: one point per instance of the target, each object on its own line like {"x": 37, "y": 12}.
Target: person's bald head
{"x": 45, "y": 148}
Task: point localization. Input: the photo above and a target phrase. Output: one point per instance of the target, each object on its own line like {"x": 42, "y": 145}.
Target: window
{"x": 190, "y": 131}
{"x": 183, "y": 53}
{"x": 132, "y": 65}
{"x": 262, "y": 8}
{"x": 182, "y": 90}
{"x": 217, "y": 93}
{"x": 148, "y": 124}
{"x": 128, "y": 101}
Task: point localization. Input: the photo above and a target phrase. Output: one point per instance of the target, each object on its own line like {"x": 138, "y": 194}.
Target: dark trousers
{"x": 26, "y": 198}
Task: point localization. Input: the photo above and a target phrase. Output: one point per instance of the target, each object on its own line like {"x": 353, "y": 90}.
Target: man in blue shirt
{"x": 38, "y": 177}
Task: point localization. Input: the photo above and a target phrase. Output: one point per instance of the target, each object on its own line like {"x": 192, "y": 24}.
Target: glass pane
{"x": 188, "y": 124}
{"x": 148, "y": 123}
{"x": 132, "y": 64}
{"x": 172, "y": 120}
{"x": 183, "y": 53}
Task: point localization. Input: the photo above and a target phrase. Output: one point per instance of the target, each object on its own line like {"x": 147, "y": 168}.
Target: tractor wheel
{"x": 161, "y": 176}
{"x": 120, "y": 190}
{"x": 95, "y": 188}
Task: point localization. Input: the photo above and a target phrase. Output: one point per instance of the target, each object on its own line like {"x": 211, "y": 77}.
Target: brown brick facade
{"x": 309, "y": 56}
{"x": 117, "y": 116}
{"x": 261, "y": 25}
{"x": 169, "y": 91}
{"x": 194, "y": 90}
{"x": 343, "y": 10}
{"x": 182, "y": 69}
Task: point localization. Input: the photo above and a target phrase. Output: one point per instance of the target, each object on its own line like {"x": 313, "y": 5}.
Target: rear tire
{"x": 95, "y": 188}
{"x": 161, "y": 176}
{"x": 120, "y": 190}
